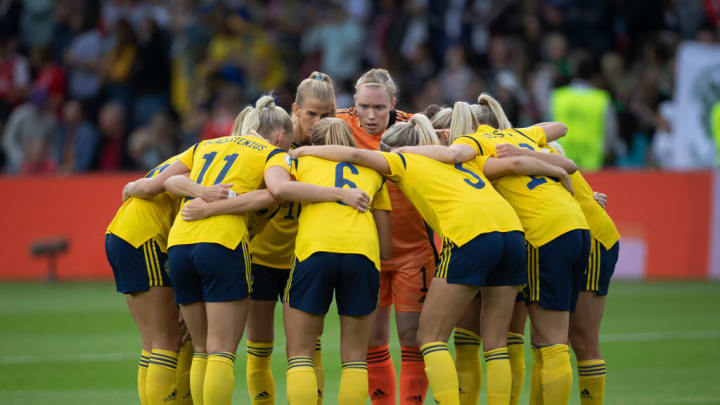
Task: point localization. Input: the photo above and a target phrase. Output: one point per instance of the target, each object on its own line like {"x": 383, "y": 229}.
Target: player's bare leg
{"x": 354, "y": 334}
{"x": 443, "y": 308}
{"x": 156, "y": 309}
{"x": 301, "y": 332}
{"x": 549, "y": 337}
{"x": 585, "y": 341}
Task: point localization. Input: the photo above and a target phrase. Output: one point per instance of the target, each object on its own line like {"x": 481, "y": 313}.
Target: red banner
{"x": 664, "y": 219}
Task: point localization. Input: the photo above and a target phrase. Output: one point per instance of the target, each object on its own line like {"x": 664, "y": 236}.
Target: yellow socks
{"x": 499, "y": 378}
{"x": 591, "y": 379}
{"x": 161, "y": 377}
{"x": 441, "y": 373}
{"x": 319, "y": 373}
{"x": 536, "y": 397}
{"x": 516, "y": 344}
{"x": 467, "y": 364}
{"x": 261, "y": 385}
{"x": 219, "y": 379}
{"x": 556, "y": 374}
{"x": 197, "y": 377}
{"x": 182, "y": 374}
{"x": 353, "y": 383}
{"x": 142, "y": 376}
{"x": 301, "y": 381}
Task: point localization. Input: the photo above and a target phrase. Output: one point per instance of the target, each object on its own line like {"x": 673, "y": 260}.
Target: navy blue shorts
{"x": 210, "y": 272}
{"x": 600, "y": 267}
{"x": 352, "y": 277}
{"x": 556, "y": 270}
{"x": 138, "y": 269}
{"x": 268, "y": 283}
{"x": 490, "y": 259}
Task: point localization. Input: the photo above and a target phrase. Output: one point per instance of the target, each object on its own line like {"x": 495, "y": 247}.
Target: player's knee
{"x": 584, "y": 345}
{"x": 408, "y": 336}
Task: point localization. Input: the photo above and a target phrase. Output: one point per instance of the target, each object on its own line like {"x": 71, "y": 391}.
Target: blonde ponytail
{"x": 332, "y": 131}
{"x": 417, "y": 131}
{"x": 463, "y": 120}
{"x": 237, "y": 125}
{"x": 265, "y": 119}
{"x": 489, "y": 111}
{"x": 318, "y": 86}
{"x": 442, "y": 119}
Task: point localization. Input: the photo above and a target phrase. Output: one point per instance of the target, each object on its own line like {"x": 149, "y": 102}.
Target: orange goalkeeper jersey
{"x": 411, "y": 246}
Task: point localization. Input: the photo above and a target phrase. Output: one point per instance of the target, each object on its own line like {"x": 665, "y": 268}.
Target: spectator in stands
{"x": 151, "y": 145}
{"x": 27, "y": 132}
{"x": 340, "y": 40}
{"x": 15, "y": 76}
{"x": 49, "y": 78}
{"x": 112, "y": 130}
{"x": 119, "y": 62}
{"x": 36, "y": 23}
{"x": 84, "y": 65}
{"x": 151, "y": 77}
{"x": 37, "y": 158}
{"x": 76, "y": 140}
{"x": 456, "y": 77}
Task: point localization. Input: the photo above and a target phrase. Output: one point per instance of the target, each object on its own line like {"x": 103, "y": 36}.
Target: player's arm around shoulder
{"x": 240, "y": 204}
{"x": 150, "y": 187}
{"x": 456, "y": 153}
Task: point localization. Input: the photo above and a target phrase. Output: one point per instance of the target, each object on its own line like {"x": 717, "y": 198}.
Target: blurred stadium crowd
{"x": 102, "y": 85}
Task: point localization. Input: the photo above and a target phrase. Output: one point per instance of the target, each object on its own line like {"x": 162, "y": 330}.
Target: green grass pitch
{"x": 75, "y": 343}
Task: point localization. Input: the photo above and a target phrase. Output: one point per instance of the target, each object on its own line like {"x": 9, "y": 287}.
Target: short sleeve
{"x": 277, "y": 158}
{"x": 480, "y": 147}
{"x": 536, "y": 133}
{"x": 381, "y": 200}
{"x": 187, "y": 157}
{"x": 480, "y": 162}
{"x": 397, "y": 163}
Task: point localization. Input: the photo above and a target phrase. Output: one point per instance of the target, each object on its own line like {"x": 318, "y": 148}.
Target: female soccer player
{"x": 556, "y": 232}
{"x": 337, "y": 249}
{"x": 604, "y": 248}
{"x": 405, "y": 277}
{"x": 209, "y": 259}
{"x": 136, "y": 247}
{"x": 483, "y": 246}
{"x": 273, "y": 251}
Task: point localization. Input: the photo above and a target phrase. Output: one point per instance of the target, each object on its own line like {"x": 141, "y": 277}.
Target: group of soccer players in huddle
{"x": 461, "y": 221}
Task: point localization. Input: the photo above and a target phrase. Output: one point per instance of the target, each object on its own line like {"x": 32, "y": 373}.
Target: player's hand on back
{"x": 216, "y": 192}
{"x": 600, "y": 198}
{"x": 356, "y": 198}
{"x": 195, "y": 210}
{"x": 567, "y": 183}
{"x": 508, "y": 150}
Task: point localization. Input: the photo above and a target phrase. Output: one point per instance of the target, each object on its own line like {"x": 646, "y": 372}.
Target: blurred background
{"x": 93, "y": 93}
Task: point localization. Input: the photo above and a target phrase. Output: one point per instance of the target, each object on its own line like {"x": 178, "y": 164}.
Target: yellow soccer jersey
{"x": 141, "y": 219}
{"x": 237, "y": 160}
{"x": 545, "y": 208}
{"x": 457, "y": 201}
{"x": 334, "y": 226}
{"x": 274, "y": 246}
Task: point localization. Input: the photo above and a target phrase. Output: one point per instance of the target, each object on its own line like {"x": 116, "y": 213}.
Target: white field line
{"x": 607, "y": 337}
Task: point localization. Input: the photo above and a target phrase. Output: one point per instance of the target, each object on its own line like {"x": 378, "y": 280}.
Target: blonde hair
{"x": 378, "y": 78}
{"x": 237, "y": 125}
{"x": 442, "y": 119}
{"x": 489, "y": 111}
{"x": 417, "y": 131}
{"x": 463, "y": 120}
{"x": 318, "y": 86}
{"x": 266, "y": 118}
{"x": 332, "y": 131}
